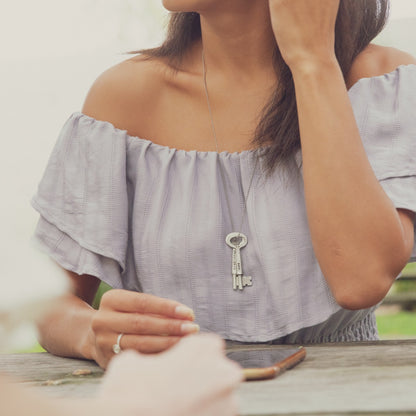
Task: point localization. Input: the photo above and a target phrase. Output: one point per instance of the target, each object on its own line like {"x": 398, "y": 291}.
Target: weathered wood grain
{"x": 335, "y": 379}
{"x": 55, "y": 375}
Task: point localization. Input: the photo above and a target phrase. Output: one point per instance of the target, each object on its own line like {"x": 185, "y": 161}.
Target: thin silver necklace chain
{"x": 214, "y": 133}
{"x": 236, "y": 239}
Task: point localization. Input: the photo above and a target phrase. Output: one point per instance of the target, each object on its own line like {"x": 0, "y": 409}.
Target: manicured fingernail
{"x": 189, "y": 328}
{"x": 184, "y": 312}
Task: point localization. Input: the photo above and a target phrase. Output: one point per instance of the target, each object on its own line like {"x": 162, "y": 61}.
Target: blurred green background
{"x": 399, "y": 320}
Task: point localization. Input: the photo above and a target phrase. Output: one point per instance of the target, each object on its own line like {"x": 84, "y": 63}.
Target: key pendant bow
{"x": 237, "y": 241}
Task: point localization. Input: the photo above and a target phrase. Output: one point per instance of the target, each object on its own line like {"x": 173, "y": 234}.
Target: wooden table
{"x": 335, "y": 379}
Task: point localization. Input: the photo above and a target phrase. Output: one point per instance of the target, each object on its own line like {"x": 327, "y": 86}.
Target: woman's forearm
{"x": 356, "y": 231}
{"x": 66, "y": 329}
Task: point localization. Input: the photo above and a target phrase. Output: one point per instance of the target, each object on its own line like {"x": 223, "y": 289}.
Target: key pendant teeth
{"x": 247, "y": 281}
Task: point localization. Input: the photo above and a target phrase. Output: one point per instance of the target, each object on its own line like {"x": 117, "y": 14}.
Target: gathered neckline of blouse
{"x": 224, "y": 153}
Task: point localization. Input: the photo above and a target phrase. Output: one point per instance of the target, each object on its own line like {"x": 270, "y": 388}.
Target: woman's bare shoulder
{"x": 125, "y": 93}
{"x": 377, "y": 60}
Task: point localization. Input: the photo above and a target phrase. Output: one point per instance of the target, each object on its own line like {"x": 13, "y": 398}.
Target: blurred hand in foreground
{"x": 194, "y": 378}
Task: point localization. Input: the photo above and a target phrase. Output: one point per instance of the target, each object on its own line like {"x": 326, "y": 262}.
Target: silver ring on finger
{"x": 116, "y": 346}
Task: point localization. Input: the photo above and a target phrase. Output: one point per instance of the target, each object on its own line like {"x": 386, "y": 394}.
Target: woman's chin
{"x": 185, "y": 5}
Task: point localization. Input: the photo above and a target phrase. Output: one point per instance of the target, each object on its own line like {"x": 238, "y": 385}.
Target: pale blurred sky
{"x": 61, "y": 28}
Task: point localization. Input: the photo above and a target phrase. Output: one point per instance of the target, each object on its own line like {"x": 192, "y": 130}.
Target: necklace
{"x": 236, "y": 239}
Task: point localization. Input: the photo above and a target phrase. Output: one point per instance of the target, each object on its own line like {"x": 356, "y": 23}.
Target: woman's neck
{"x": 238, "y": 42}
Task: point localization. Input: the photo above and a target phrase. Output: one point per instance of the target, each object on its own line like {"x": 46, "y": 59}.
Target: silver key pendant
{"x": 237, "y": 241}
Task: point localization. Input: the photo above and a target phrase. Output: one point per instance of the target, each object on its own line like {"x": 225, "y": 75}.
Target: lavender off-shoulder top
{"x": 145, "y": 217}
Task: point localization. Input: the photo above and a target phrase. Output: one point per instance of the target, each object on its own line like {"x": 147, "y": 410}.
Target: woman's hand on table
{"x": 305, "y": 30}
{"x": 149, "y": 324}
{"x": 194, "y": 378}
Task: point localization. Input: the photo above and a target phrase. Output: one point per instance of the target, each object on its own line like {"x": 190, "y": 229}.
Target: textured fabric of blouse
{"x": 146, "y": 217}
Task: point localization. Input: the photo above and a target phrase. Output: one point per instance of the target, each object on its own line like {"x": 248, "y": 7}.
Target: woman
{"x": 241, "y": 122}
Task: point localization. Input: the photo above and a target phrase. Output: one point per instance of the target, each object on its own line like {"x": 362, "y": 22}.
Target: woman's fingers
{"x": 140, "y": 324}
{"x": 149, "y": 324}
{"x": 147, "y": 344}
{"x": 127, "y": 301}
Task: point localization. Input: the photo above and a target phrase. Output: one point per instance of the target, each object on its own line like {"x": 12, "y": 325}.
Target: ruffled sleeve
{"x": 82, "y": 200}
{"x": 385, "y": 110}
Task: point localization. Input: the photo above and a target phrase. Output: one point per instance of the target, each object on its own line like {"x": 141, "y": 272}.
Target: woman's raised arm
{"x": 360, "y": 240}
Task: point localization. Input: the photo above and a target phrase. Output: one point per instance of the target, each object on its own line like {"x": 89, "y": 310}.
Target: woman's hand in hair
{"x": 305, "y": 30}
{"x": 149, "y": 324}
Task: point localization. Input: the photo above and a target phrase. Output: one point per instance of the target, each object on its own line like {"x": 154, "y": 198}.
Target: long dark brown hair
{"x": 358, "y": 23}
